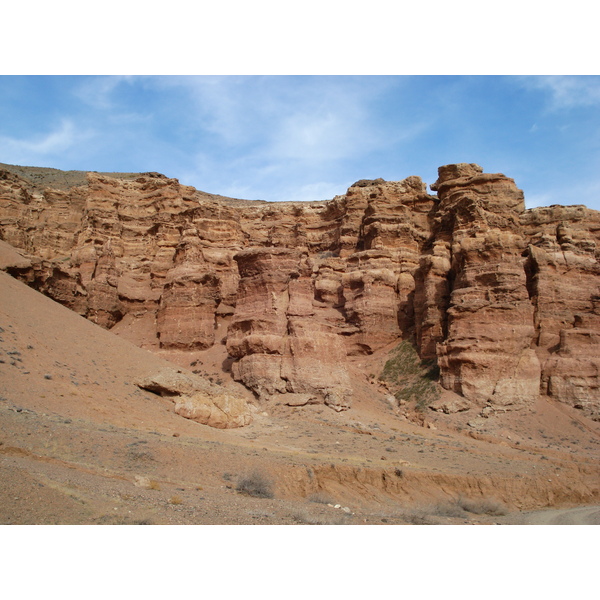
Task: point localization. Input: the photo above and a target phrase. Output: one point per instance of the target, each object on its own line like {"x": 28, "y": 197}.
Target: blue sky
{"x": 310, "y": 137}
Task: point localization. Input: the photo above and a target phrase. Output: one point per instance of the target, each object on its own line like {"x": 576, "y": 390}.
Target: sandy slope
{"x": 81, "y": 443}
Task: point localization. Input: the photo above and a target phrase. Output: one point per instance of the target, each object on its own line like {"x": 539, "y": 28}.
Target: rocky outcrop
{"x": 505, "y": 300}
{"x": 487, "y": 353}
{"x": 198, "y": 400}
{"x": 562, "y": 265}
{"x": 283, "y": 342}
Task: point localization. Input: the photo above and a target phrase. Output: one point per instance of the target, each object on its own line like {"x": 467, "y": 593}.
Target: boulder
{"x": 222, "y": 411}
{"x": 198, "y": 400}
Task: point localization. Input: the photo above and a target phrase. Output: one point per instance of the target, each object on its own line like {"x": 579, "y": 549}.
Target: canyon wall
{"x": 506, "y": 300}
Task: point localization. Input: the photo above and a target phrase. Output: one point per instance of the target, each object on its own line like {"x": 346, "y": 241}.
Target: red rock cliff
{"x": 507, "y": 300}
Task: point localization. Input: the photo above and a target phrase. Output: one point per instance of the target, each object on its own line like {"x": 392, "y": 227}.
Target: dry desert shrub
{"x": 320, "y": 498}
{"x": 483, "y": 506}
{"x": 305, "y": 518}
{"x": 175, "y": 500}
{"x": 445, "y": 509}
{"x": 418, "y": 518}
{"x": 459, "y": 508}
{"x": 255, "y": 484}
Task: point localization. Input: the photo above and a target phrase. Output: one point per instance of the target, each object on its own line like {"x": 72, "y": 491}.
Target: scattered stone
{"x": 142, "y": 481}
{"x": 450, "y": 406}
{"x": 487, "y": 412}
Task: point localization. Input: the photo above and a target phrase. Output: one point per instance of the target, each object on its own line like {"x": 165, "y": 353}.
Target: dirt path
{"x": 583, "y": 515}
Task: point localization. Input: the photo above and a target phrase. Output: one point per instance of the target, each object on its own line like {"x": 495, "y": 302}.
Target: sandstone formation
{"x": 198, "y": 400}
{"x": 486, "y": 355}
{"x": 284, "y": 344}
{"x": 505, "y": 300}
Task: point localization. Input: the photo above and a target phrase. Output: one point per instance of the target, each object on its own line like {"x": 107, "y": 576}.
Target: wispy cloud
{"x": 99, "y": 92}
{"x": 226, "y": 108}
{"x": 312, "y": 136}
{"x": 309, "y": 137}
{"x": 566, "y": 91}
{"x": 267, "y": 137}
{"x": 298, "y": 118}
{"x": 64, "y": 137}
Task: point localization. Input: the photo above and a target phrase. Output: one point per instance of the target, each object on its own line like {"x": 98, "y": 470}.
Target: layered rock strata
{"x": 282, "y": 340}
{"x": 506, "y": 300}
{"x": 486, "y": 355}
{"x": 562, "y": 264}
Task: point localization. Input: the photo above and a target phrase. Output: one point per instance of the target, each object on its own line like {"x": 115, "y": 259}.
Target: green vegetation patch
{"x": 411, "y": 379}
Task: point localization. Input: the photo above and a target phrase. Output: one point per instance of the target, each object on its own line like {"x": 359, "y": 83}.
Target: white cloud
{"x": 567, "y": 91}
{"x": 98, "y": 92}
{"x": 312, "y": 136}
{"x": 62, "y": 138}
{"x": 266, "y": 136}
{"x": 283, "y": 118}
{"x": 225, "y": 107}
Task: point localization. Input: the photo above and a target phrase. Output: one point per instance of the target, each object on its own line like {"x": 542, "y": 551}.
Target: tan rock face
{"x": 506, "y": 300}
{"x": 198, "y": 400}
{"x": 283, "y": 345}
{"x": 486, "y": 355}
{"x": 563, "y": 272}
